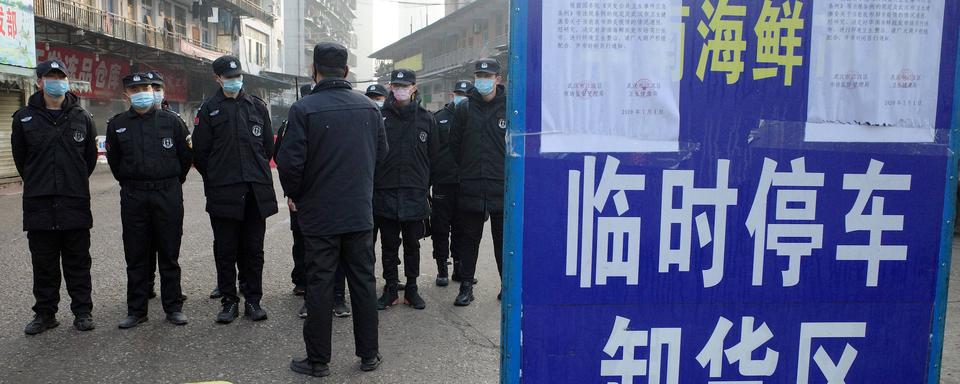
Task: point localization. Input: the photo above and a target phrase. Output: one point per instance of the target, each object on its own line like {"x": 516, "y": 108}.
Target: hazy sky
{"x": 392, "y": 18}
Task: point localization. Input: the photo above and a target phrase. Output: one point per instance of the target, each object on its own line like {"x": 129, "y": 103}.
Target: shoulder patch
{"x": 113, "y": 117}
{"x": 257, "y": 98}
{"x": 121, "y": 130}
{"x": 26, "y": 119}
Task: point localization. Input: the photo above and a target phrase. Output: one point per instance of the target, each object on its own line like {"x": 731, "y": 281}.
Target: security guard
{"x": 298, "y": 275}
{"x": 148, "y": 154}
{"x": 55, "y": 151}
{"x": 477, "y": 142}
{"x": 377, "y": 93}
{"x": 444, "y": 186}
{"x": 156, "y": 82}
{"x": 232, "y": 145}
{"x": 333, "y": 143}
{"x": 401, "y": 188}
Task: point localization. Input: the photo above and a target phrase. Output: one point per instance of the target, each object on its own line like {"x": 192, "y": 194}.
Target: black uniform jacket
{"x": 333, "y": 142}
{"x": 232, "y": 147}
{"x": 402, "y": 182}
{"x": 148, "y": 147}
{"x": 55, "y": 155}
{"x": 478, "y": 142}
{"x": 443, "y": 168}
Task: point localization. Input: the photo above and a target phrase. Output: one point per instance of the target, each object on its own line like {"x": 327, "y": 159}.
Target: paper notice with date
{"x": 874, "y": 72}
{"x": 610, "y": 76}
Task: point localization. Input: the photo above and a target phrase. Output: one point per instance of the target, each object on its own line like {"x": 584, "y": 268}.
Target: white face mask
{"x": 379, "y": 103}
{"x": 403, "y": 94}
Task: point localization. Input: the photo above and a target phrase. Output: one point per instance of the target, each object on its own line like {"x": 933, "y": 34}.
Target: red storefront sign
{"x": 104, "y": 73}
{"x": 174, "y": 86}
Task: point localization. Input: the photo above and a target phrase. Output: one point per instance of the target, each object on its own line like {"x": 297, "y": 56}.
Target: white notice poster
{"x": 610, "y": 76}
{"x": 874, "y": 70}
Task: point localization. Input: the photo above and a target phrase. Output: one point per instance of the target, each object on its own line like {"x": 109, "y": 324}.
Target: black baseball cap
{"x": 403, "y": 77}
{"x": 227, "y": 66}
{"x": 330, "y": 56}
{"x": 487, "y": 66}
{"x": 135, "y": 79}
{"x": 462, "y": 86}
{"x": 376, "y": 90}
{"x": 49, "y": 66}
{"x": 155, "y": 77}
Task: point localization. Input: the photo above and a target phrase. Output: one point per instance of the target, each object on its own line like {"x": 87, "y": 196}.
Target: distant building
{"x": 442, "y": 52}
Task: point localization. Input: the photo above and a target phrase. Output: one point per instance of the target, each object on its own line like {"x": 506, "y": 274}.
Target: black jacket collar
{"x": 131, "y": 113}
{"x": 332, "y": 83}
{"x": 220, "y": 96}
{"x": 69, "y": 101}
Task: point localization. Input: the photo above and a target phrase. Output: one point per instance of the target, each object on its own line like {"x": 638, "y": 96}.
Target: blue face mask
{"x": 142, "y": 100}
{"x": 56, "y": 88}
{"x": 458, "y": 99}
{"x": 158, "y": 98}
{"x": 233, "y": 85}
{"x": 484, "y": 86}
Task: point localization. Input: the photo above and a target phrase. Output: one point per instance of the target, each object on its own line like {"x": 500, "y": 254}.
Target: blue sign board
{"x": 770, "y": 202}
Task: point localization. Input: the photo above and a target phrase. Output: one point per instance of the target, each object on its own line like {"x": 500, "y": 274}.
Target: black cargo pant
{"x": 238, "y": 244}
{"x": 467, "y": 236}
{"x": 299, "y": 273}
{"x": 442, "y": 219}
{"x": 152, "y": 218}
{"x": 393, "y": 233}
{"x": 353, "y": 252}
{"x": 50, "y": 249}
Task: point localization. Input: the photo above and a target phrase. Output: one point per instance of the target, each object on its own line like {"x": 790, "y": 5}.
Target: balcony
{"x": 252, "y": 8}
{"x": 90, "y": 19}
{"x": 459, "y": 57}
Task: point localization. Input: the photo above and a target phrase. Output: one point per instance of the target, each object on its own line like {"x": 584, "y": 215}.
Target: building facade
{"x": 101, "y": 40}
{"x": 443, "y": 52}
{"x": 314, "y": 21}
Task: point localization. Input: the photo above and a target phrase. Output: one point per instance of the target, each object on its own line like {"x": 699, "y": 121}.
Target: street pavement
{"x": 441, "y": 344}
{"x": 950, "y": 371}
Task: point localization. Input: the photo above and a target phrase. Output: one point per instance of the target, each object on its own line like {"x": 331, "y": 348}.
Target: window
{"x": 257, "y": 46}
{"x": 205, "y": 31}
{"x": 180, "y": 20}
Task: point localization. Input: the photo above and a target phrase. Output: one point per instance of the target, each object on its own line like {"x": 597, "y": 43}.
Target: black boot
{"x": 132, "y": 321}
{"x": 442, "y": 279}
{"x": 305, "y": 367}
{"x": 368, "y": 364}
{"x": 389, "y": 298}
{"x": 41, "y": 323}
{"x": 228, "y": 313}
{"x": 254, "y": 311}
{"x": 340, "y": 308}
{"x": 412, "y": 297}
{"x": 84, "y": 322}
{"x": 466, "y": 294}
